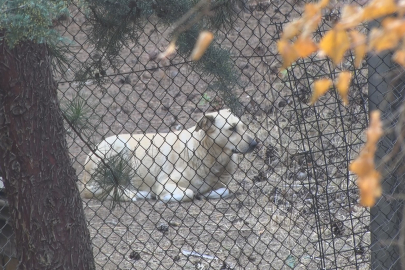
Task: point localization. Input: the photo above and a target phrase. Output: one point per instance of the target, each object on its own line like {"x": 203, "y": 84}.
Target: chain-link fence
{"x": 386, "y": 86}
{"x": 294, "y": 203}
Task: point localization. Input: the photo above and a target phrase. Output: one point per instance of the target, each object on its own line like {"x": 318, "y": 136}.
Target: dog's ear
{"x": 205, "y": 123}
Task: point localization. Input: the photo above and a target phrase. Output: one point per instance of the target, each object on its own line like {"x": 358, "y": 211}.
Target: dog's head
{"x": 227, "y": 131}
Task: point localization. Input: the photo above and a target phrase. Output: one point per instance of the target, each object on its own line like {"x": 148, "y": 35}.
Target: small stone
{"x": 135, "y": 256}
{"x": 164, "y": 228}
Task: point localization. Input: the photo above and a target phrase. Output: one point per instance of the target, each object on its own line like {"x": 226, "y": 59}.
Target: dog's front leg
{"x": 220, "y": 189}
{"x": 171, "y": 191}
{"x": 174, "y": 193}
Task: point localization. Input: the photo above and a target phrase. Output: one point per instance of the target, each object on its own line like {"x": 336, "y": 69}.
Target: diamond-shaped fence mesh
{"x": 293, "y": 203}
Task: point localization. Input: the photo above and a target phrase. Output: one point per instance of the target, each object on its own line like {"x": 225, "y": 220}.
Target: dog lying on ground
{"x": 176, "y": 166}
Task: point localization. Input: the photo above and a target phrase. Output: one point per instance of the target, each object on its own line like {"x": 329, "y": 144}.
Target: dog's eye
{"x": 233, "y": 129}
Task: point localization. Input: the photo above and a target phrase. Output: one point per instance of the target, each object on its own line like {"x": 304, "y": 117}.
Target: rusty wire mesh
{"x": 295, "y": 203}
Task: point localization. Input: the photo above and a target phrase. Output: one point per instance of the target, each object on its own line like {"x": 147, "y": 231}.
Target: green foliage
{"x": 204, "y": 99}
{"x": 78, "y": 112}
{"x": 225, "y": 13}
{"x": 23, "y": 20}
{"x": 215, "y": 62}
{"x": 113, "y": 24}
{"x": 169, "y": 11}
{"x": 31, "y": 20}
{"x": 81, "y": 119}
{"x": 114, "y": 176}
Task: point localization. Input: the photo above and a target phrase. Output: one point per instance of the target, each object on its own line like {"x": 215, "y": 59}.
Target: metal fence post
{"x": 386, "y": 214}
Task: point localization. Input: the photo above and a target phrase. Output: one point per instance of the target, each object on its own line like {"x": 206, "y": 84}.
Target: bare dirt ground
{"x": 295, "y": 204}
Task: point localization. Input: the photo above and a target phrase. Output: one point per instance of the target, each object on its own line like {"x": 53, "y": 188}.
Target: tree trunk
{"x": 46, "y": 209}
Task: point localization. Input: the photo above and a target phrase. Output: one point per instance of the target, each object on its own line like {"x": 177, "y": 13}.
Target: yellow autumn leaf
{"x": 363, "y": 166}
{"x": 370, "y": 188}
{"x": 342, "y": 85}
{"x": 379, "y": 8}
{"x": 292, "y": 29}
{"x": 287, "y": 52}
{"x": 171, "y": 49}
{"x": 311, "y": 19}
{"x": 311, "y": 25}
{"x": 321, "y": 86}
{"x": 310, "y": 11}
{"x": 351, "y": 17}
{"x": 359, "y": 46}
{"x": 304, "y": 47}
{"x": 334, "y": 44}
{"x": 394, "y": 24}
{"x": 401, "y": 8}
{"x": 399, "y": 57}
{"x": 203, "y": 42}
{"x": 380, "y": 40}
{"x": 323, "y": 3}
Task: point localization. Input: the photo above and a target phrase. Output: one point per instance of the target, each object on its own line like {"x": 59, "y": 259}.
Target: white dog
{"x": 176, "y": 166}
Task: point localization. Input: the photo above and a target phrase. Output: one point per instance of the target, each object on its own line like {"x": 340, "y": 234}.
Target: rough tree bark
{"x": 46, "y": 209}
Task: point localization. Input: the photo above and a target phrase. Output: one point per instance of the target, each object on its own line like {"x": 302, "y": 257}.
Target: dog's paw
{"x": 144, "y": 195}
{"x": 220, "y": 193}
{"x": 179, "y": 196}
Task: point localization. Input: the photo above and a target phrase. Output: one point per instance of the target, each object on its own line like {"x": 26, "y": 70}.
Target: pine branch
{"x": 92, "y": 150}
{"x": 110, "y": 32}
